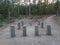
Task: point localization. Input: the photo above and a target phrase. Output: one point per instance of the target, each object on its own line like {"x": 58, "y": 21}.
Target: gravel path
{"x": 31, "y": 39}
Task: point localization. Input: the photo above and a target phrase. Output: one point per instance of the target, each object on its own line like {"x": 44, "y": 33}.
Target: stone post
{"x": 42, "y": 25}
{"x": 36, "y": 31}
{"x": 30, "y": 23}
{"x": 22, "y": 23}
{"x": 12, "y": 29}
{"x": 24, "y": 31}
{"x": 19, "y": 26}
{"x": 38, "y": 22}
{"x": 48, "y": 29}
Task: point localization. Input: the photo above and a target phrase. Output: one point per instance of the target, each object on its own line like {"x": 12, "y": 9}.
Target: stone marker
{"x": 12, "y": 29}
{"x": 19, "y": 26}
{"x": 36, "y": 31}
{"x": 22, "y": 23}
{"x": 42, "y": 25}
{"x": 30, "y": 23}
{"x": 48, "y": 29}
{"x": 24, "y": 31}
{"x": 38, "y": 22}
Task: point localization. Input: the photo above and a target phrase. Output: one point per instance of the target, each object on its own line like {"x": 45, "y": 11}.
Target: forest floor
{"x": 31, "y": 39}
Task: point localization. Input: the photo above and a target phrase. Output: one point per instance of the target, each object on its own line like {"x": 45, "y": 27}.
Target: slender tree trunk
{"x": 7, "y": 1}
{"x": 29, "y": 8}
{"x": 57, "y": 8}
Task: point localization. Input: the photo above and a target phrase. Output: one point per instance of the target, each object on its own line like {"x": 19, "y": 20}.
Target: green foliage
{"x": 19, "y": 10}
{"x": 1, "y": 19}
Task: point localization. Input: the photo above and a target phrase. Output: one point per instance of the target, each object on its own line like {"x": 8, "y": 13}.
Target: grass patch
{"x": 36, "y": 16}
{"x": 57, "y": 20}
{"x": 56, "y": 17}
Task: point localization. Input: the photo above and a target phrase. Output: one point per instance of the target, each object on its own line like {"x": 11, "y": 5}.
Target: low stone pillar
{"x": 30, "y": 23}
{"x": 22, "y": 23}
{"x": 38, "y": 22}
{"x": 19, "y": 26}
{"x": 36, "y": 31}
{"x": 24, "y": 31}
{"x": 42, "y": 25}
{"x": 48, "y": 29}
{"x": 12, "y": 29}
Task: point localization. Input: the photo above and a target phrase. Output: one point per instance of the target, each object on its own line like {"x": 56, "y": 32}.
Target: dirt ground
{"x": 31, "y": 39}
